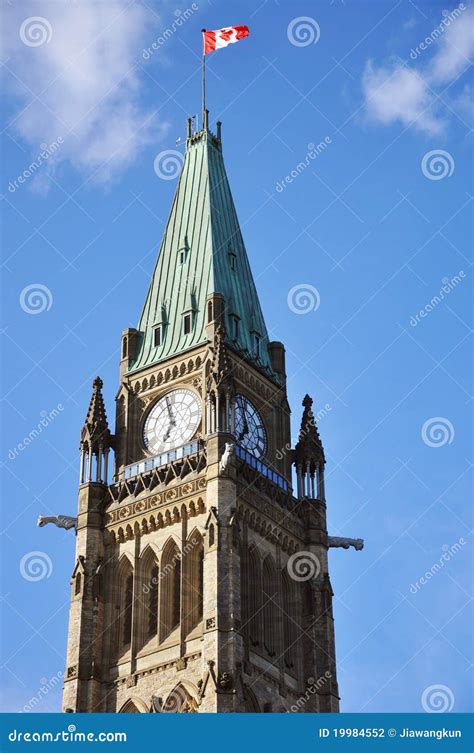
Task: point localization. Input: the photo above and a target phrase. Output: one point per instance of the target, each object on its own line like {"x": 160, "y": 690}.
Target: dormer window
{"x": 232, "y": 260}
{"x": 157, "y": 336}
{"x": 256, "y": 345}
{"x": 183, "y": 251}
{"x": 187, "y": 324}
{"x": 234, "y": 327}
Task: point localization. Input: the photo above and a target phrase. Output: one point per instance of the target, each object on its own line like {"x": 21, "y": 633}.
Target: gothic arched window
{"x": 170, "y": 589}
{"x": 270, "y": 613}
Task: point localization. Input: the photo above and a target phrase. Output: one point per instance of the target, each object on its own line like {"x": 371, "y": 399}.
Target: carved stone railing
{"x": 165, "y": 458}
{"x": 146, "y": 475}
{"x": 262, "y": 468}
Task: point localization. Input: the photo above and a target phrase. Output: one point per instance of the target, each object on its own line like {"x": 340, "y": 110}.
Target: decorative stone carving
{"x": 156, "y": 704}
{"x": 225, "y": 680}
{"x": 60, "y": 521}
{"x": 339, "y": 542}
{"x": 210, "y": 623}
{"x": 226, "y": 456}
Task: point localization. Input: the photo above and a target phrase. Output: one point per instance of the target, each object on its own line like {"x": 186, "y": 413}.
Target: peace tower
{"x": 201, "y": 577}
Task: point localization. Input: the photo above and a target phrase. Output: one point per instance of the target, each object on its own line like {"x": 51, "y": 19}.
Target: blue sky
{"x": 377, "y": 223}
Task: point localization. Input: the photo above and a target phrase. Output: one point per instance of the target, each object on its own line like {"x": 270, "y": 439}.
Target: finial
{"x": 219, "y": 130}
{"x": 189, "y": 127}
{"x": 307, "y": 401}
{"x": 206, "y": 120}
{"x": 97, "y": 383}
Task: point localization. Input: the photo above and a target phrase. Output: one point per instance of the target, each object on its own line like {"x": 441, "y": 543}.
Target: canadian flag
{"x": 214, "y": 40}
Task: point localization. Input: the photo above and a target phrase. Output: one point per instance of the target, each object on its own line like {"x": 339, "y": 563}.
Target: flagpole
{"x": 203, "y": 79}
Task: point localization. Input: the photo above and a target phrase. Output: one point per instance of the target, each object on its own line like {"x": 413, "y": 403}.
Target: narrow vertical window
{"x": 254, "y": 598}
{"x": 77, "y": 589}
{"x": 200, "y": 594}
{"x": 209, "y": 312}
{"x": 270, "y": 617}
{"x": 176, "y": 596}
{"x": 170, "y": 590}
{"x": 153, "y": 602}
{"x": 127, "y": 610}
{"x": 157, "y": 336}
{"x": 187, "y": 324}
{"x": 289, "y": 620}
{"x": 124, "y": 347}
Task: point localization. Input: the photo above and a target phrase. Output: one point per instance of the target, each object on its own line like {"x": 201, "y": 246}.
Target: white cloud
{"x": 456, "y": 49}
{"x": 83, "y": 84}
{"x": 398, "y": 93}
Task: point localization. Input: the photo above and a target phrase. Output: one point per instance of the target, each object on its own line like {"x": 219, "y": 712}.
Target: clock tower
{"x": 201, "y": 577}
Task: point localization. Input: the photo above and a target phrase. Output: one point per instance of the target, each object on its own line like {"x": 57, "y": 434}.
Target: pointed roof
{"x": 202, "y": 252}
{"x": 95, "y": 431}
{"x": 309, "y": 447}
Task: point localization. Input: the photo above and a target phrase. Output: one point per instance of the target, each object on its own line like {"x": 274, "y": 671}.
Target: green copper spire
{"x": 202, "y": 253}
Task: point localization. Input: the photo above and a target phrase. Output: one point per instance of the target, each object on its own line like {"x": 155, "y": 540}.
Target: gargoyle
{"x": 339, "y": 542}
{"x": 61, "y": 521}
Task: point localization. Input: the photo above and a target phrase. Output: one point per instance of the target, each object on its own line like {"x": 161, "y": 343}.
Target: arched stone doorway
{"x": 133, "y": 706}
{"x": 180, "y": 701}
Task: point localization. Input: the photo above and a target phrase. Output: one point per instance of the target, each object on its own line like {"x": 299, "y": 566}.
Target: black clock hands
{"x": 245, "y": 428}
{"x": 172, "y": 421}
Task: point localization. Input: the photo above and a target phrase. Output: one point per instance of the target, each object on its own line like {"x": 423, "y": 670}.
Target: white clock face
{"x": 249, "y": 429}
{"x": 172, "y": 421}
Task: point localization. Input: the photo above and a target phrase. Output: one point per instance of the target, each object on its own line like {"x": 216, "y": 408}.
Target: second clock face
{"x": 249, "y": 429}
{"x": 172, "y": 421}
